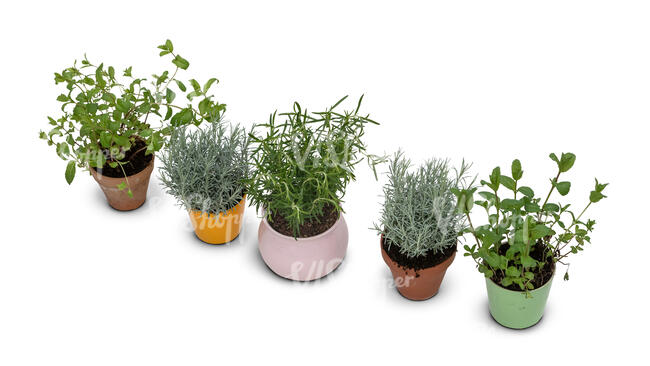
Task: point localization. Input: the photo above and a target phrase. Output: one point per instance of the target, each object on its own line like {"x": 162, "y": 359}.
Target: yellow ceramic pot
{"x": 219, "y": 229}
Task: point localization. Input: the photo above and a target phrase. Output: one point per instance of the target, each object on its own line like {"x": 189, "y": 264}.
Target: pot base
{"x": 303, "y": 259}
{"x": 119, "y": 199}
{"x": 218, "y": 229}
{"x": 417, "y": 285}
{"x": 512, "y": 309}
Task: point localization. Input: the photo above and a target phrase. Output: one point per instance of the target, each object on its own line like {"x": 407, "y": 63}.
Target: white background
{"x": 490, "y": 81}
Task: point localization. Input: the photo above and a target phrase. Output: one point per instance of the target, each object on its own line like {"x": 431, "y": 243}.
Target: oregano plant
{"x": 526, "y": 235}
{"x": 105, "y": 113}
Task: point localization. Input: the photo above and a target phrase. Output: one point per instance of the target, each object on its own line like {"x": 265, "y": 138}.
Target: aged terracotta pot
{"x": 417, "y": 285}
{"x": 120, "y": 200}
{"x": 218, "y": 229}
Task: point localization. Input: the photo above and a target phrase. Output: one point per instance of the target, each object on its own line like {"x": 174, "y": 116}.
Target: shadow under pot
{"x": 420, "y": 283}
{"x": 303, "y": 259}
{"x": 516, "y": 309}
{"x": 218, "y": 229}
{"x": 118, "y": 198}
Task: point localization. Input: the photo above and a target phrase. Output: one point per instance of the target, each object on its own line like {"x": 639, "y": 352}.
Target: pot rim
{"x": 228, "y": 211}
{"x": 95, "y": 172}
{"x": 311, "y": 238}
{"x": 381, "y": 245}
{"x": 548, "y": 283}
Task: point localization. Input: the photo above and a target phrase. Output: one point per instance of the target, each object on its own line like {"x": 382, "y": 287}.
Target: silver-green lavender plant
{"x": 419, "y": 213}
{"x": 205, "y": 169}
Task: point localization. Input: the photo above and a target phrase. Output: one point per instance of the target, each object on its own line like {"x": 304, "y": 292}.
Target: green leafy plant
{"x": 419, "y": 215}
{"x": 303, "y": 164}
{"x": 205, "y": 169}
{"x": 526, "y": 235}
{"x": 105, "y": 115}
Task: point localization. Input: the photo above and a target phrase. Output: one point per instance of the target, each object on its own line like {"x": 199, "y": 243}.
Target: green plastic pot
{"x": 513, "y": 309}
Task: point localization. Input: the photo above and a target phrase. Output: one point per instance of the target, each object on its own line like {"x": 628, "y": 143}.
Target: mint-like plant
{"x": 304, "y": 163}
{"x": 526, "y": 235}
{"x": 419, "y": 215}
{"x": 104, "y": 115}
{"x": 205, "y": 170}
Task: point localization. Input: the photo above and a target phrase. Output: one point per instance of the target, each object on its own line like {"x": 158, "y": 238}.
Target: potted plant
{"x": 524, "y": 239}
{"x": 205, "y": 170}
{"x": 301, "y": 169}
{"x": 112, "y": 126}
{"x": 419, "y": 224}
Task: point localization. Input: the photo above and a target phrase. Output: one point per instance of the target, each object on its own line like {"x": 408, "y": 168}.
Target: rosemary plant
{"x": 303, "y": 164}
{"x": 419, "y": 215}
{"x": 205, "y": 169}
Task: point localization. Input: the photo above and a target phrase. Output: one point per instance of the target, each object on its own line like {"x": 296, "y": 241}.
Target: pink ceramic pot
{"x": 303, "y": 259}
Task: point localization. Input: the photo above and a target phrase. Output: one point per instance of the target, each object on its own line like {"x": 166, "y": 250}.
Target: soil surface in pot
{"x": 416, "y": 263}
{"x": 309, "y": 228}
{"x": 541, "y": 276}
{"x": 136, "y": 160}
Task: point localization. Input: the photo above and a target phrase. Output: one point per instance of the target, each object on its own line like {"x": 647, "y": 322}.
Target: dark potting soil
{"x": 416, "y": 263}
{"x": 136, "y": 160}
{"x": 542, "y": 276}
{"x": 309, "y": 228}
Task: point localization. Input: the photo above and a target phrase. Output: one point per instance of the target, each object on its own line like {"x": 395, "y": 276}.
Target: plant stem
{"x": 539, "y": 215}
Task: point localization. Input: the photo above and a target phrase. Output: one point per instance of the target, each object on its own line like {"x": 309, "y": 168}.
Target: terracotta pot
{"x": 303, "y": 259}
{"x": 422, "y": 284}
{"x": 219, "y": 229}
{"x": 120, "y": 200}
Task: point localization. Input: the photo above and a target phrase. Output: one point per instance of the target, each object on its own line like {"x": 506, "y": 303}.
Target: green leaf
{"x": 169, "y": 96}
{"x": 551, "y": 207}
{"x": 121, "y": 186}
{"x": 70, "y": 172}
{"x": 563, "y": 188}
{"x": 528, "y": 261}
{"x": 532, "y": 207}
{"x": 99, "y": 75}
{"x": 63, "y": 150}
{"x": 128, "y": 70}
{"x": 512, "y": 271}
{"x": 508, "y": 182}
{"x": 181, "y": 86}
{"x": 208, "y": 84}
{"x": 596, "y": 196}
{"x": 123, "y": 105}
{"x": 204, "y": 107}
{"x": 600, "y": 186}
{"x": 541, "y": 231}
{"x": 195, "y": 85}
{"x": 495, "y": 178}
{"x": 527, "y": 191}
{"x": 62, "y": 98}
{"x": 105, "y": 138}
{"x": 181, "y": 62}
{"x": 169, "y": 45}
{"x": 566, "y": 161}
{"x": 113, "y": 126}
{"x": 517, "y": 173}
{"x": 122, "y": 141}
{"x": 511, "y": 204}
{"x": 193, "y": 95}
